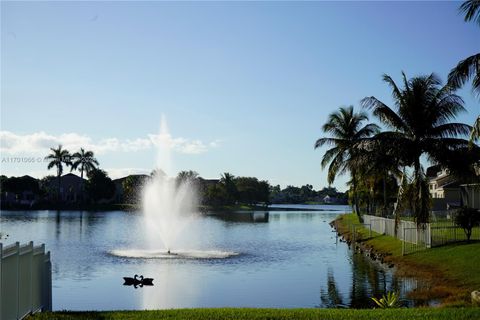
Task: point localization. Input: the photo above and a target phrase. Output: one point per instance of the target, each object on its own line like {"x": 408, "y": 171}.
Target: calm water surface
{"x": 285, "y": 259}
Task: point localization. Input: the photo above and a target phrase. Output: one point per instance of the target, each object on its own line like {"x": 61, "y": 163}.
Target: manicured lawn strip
{"x": 382, "y": 243}
{"x": 458, "y": 261}
{"x": 270, "y": 314}
{"x": 451, "y": 269}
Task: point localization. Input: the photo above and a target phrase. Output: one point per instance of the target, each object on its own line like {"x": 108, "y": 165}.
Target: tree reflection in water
{"x": 368, "y": 280}
{"x": 331, "y": 298}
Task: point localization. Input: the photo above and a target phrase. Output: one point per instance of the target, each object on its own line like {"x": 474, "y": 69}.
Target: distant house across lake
{"x": 71, "y": 188}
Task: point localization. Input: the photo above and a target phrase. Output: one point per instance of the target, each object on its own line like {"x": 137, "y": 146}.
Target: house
{"x": 470, "y": 195}
{"x": 329, "y": 200}
{"x": 444, "y": 189}
{"x": 72, "y": 188}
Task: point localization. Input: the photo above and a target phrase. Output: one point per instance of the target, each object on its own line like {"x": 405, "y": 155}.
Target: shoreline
{"x": 449, "y": 281}
{"x": 136, "y": 207}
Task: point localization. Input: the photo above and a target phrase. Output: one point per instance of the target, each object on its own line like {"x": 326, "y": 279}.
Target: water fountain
{"x": 170, "y": 210}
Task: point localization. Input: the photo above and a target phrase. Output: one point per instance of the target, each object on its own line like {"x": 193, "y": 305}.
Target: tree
{"x": 84, "y": 161}
{"x": 132, "y": 186}
{"x": 345, "y": 128}
{"x": 47, "y": 187}
{"x": 252, "y": 191}
{"x": 184, "y": 176}
{"x": 216, "y": 195}
{"x": 228, "y": 182}
{"x": 467, "y": 219}
{"x": 380, "y": 165}
{"x": 420, "y": 125}
{"x": 58, "y": 158}
{"x": 468, "y": 68}
{"x": 99, "y": 185}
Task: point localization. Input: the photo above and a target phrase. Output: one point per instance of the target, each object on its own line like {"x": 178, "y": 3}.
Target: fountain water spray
{"x": 169, "y": 208}
{"x": 168, "y": 205}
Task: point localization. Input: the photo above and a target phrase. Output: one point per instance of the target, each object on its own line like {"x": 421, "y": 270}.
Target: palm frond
{"x": 450, "y": 130}
{"x": 329, "y": 155}
{"x": 471, "y": 9}
{"x": 327, "y": 141}
{"x": 466, "y": 69}
{"x": 384, "y": 113}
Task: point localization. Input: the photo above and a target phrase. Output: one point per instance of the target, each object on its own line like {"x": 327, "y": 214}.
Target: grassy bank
{"x": 451, "y": 271}
{"x": 270, "y": 314}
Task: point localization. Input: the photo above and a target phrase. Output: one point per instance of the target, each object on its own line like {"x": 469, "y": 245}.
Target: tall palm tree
{"x": 420, "y": 123}
{"x": 84, "y": 161}
{"x": 470, "y": 67}
{"x": 347, "y": 133}
{"x": 58, "y": 158}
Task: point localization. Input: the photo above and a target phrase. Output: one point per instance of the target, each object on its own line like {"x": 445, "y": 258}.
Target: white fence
{"x": 413, "y": 238}
{"x": 25, "y": 280}
{"x": 405, "y": 229}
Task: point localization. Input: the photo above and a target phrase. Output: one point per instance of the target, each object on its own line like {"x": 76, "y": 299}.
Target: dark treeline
{"x": 231, "y": 190}
{"x": 72, "y": 191}
{"x": 306, "y": 194}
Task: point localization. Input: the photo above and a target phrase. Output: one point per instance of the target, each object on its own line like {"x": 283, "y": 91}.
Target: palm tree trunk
{"x": 355, "y": 196}
{"x": 58, "y": 189}
{"x": 81, "y": 185}
{"x": 384, "y": 194}
{"x": 420, "y": 211}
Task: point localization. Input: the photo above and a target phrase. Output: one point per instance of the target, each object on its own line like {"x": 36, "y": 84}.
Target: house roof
{"x": 71, "y": 176}
{"x": 451, "y": 184}
{"x": 140, "y": 176}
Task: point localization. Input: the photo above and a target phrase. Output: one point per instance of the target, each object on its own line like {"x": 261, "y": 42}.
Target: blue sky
{"x": 245, "y": 86}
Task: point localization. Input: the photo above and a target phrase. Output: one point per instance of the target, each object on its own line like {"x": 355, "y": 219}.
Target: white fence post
{"x": 25, "y": 280}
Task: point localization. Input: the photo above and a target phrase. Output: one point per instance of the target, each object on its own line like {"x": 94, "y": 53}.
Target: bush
{"x": 467, "y": 218}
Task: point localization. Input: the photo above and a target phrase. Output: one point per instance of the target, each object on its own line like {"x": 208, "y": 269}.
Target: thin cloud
{"x": 39, "y": 142}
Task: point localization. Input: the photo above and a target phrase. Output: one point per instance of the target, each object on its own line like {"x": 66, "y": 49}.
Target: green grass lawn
{"x": 270, "y": 314}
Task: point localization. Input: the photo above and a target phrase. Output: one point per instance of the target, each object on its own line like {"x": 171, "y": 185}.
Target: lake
{"x": 283, "y": 259}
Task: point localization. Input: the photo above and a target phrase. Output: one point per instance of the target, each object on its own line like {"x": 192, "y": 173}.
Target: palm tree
{"x": 470, "y": 67}
{"x": 420, "y": 123}
{"x": 84, "y": 161}
{"x": 228, "y": 182}
{"x": 345, "y": 128}
{"x": 381, "y": 162}
{"x": 58, "y": 157}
